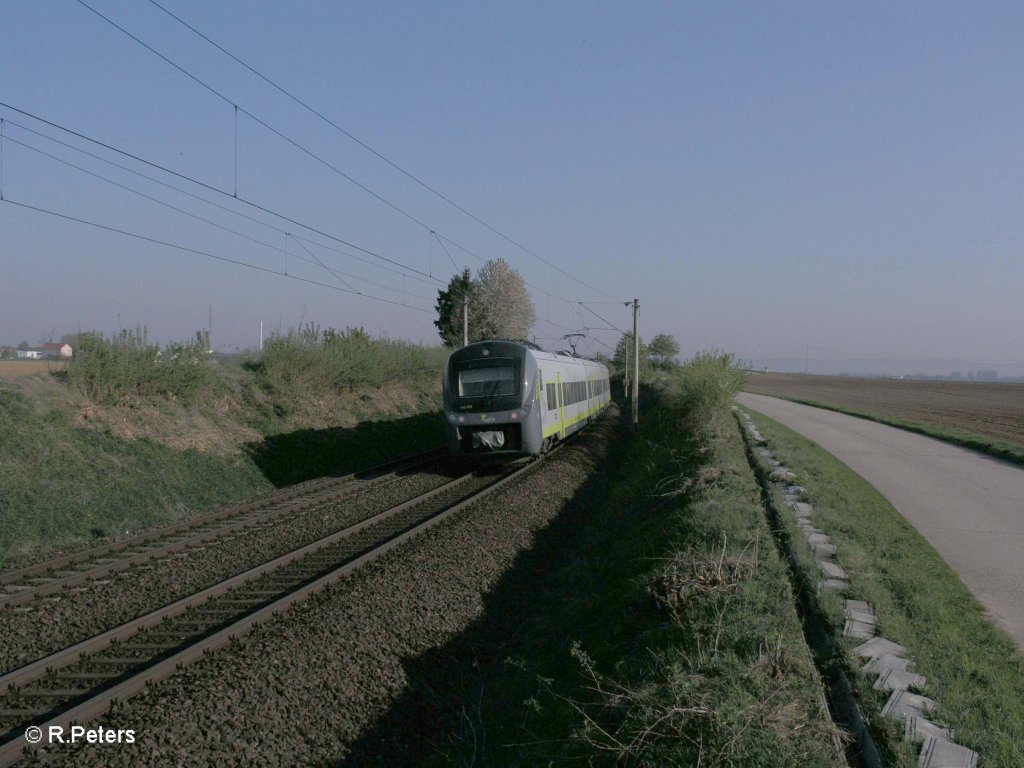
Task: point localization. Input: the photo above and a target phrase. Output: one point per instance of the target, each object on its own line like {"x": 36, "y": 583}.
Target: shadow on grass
{"x": 479, "y": 699}
{"x": 306, "y": 454}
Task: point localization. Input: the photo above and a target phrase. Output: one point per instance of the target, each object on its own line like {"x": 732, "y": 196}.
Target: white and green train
{"x": 514, "y": 398}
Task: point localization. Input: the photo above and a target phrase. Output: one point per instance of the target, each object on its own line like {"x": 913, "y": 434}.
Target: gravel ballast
{"x": 44, "y": 626}
{"x": 299, "y": 689}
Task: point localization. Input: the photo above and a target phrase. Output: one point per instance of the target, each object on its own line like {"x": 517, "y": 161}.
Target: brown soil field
{"x": 993, "y": 410}
{"x": 14, "y": 369}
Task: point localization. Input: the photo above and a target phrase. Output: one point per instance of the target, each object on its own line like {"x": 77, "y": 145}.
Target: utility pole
{"x": 625, "y": 366}
{"x": 261, "y": 335}
{"x": 209, "y": 332}
{"x": 636, "y": 363}
{"x": 465, "y": 320}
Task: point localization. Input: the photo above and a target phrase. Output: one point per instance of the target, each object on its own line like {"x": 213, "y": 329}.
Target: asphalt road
{"x": 968, "y": 506}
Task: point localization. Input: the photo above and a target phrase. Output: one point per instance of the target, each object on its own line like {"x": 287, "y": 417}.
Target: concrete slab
{"x": 813, "y": 536}
{"x": 832, "y": 570}
{"x": 833, "y": 585}
{"x": 940, "y": 753}
{"x": 860, "y": 629}
{"x": 857, "y": 605}
{"x": 823, "y": 551}
{"x": 782, "y": 475}
{"x": 878, "y": 647}
{"x": 906, "y": 704}
{"x": 861, "y": 616}
{"x": 796, "y": 490}
{"x": 919, "y": 729}
{"x": 899, "y": 680}
{"x": 880, "y": 664}
{"x": 803, "y": 509}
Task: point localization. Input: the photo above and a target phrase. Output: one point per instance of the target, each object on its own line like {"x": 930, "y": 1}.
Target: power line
{"x": 197, "y": 252}
{"x": 601, "y": 318}
{"x": 364, "y": 145}
{"x": 217, "y": 190}
{"x": 431, "y": 281}
{"x": 336, "y": 273}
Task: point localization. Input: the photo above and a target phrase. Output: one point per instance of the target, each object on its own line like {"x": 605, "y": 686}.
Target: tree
{"x": 23, "y": 345}
{"x": 449, "y": 308}
{"x": 664, "y": 350}
{"x": 502, "y": 302}
{"x": 624, "y": 354}
{"x": 499, "y": 305}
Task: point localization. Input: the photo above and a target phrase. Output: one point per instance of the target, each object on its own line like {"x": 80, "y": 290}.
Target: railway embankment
{"x": 114, "y": 448}
{"x": 621, "y": 603}
{"x": 955, "y": 677}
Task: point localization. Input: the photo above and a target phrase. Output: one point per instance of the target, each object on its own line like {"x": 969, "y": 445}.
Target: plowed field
{"x": 12, "y": 369}
{"x": 992, "y": 410}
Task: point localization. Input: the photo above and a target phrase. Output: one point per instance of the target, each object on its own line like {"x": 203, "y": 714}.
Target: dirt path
{"x": 968, "y": 506}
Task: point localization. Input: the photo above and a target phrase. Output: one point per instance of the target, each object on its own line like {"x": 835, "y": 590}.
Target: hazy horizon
{"x": 769, "y": 180}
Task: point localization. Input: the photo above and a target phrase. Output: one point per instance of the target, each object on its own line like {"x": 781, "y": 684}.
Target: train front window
{"x": 487, "y": 382}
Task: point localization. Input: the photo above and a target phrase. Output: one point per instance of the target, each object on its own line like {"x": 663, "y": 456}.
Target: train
{"x": 512, "y": 398}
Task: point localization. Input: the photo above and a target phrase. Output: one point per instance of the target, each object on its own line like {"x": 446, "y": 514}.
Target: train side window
{"x": 552, "y": 396}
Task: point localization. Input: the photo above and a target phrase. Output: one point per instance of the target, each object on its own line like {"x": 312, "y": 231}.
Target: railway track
{"x": 76, "y": 570}
{"x": 79, "y": 683}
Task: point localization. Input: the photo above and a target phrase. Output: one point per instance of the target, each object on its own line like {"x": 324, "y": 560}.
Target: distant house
{"x": 30, "y": 354}
{"x": 55, "y": 349}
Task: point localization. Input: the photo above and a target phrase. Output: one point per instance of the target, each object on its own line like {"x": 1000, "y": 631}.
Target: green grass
{"x": 132, "y": 435}
{"x": 63, "y": 483}
{"x": 1012, "y": 452}
{"x": 974, "y": 670}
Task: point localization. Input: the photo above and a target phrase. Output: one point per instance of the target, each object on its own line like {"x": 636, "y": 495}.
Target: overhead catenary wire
{"x": 373, "y": 151}
{"x": 207, "y": 254}
{"x": 418, "y": 275}
{"x": 304, "y": 149}
{"x": 337, "y": 274}
{"x": 232, "y": 211}
{"x": 219, "y": 191}
{"x": 603, "y": 320}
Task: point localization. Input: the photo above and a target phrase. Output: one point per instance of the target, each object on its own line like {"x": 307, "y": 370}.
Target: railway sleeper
{"x": 81, "y": 675}
{"x": 21, "y": 715}
{"x": 54, "y": 693}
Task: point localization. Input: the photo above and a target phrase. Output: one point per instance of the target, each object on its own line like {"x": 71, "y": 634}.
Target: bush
{"x": 127, "y": 367}
{"x": 309, "y": 361}
{"x": 709, "y": 382}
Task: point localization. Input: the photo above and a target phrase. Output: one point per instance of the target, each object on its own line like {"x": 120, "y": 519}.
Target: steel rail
{"x": 225, "y": 522}
{"x": 156, "y": 669}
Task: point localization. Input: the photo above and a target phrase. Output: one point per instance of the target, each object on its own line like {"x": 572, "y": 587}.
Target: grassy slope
{"x": 660, "y": 630}
{"x": 973, "y": 669}
{"x": 66, "y": 478}
{"x": 63, "y": 482}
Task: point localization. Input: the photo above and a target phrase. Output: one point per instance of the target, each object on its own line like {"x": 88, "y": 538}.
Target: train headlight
{"x": 514, "y": 415}
{"x": 462, "y": 419}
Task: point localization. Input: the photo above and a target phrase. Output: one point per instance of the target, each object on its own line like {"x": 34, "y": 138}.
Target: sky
{"x": 784, "y": 180}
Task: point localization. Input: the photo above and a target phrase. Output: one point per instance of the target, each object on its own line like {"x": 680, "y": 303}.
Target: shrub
{"x": 313, "y": 362}
{"x": 709, "y": 382}
{"x": 126, "y": 367}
